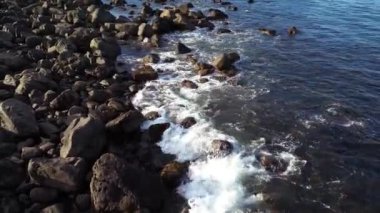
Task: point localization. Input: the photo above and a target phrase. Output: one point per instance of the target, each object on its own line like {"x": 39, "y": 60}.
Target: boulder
{"x": 144, "y": 73}
{"x": 203, "y": 68}
{"x": 32, "y": 41}
{"x": 189, "y": 84}
{"x": 117, "y": 186}
{"x": 82, "y": 37}
{"x": 272, "y": 163}
{"x": 83, "y": 201}
{"x": 126, "y": 123}
{"x": 100, "y": 16}
{"x": 172, "y": 174}
{"x": 43, "y": 194}
{"x": 225, "y": 61}
{"x": 152, "y": 115}
{"x": 145, "y": 30}
{"x": 105, "y": 48}
{"x": 84, "y": 137}
{"x": 220, "y": 148}
{"x": 18, "y": 118}
{"x": 12, "y": 173}
{"x": 182, "y": 49}
{"x": 65, "y": 100}
{"x": 13, "y": 61}
{"x": 65, "y": 174}
{"x": 215, "y": 14}
{"x": 188, "y": 122}
{"x": 30, "y": 152}
{"x": 34, "y": 81}
{"x": 156, "y": 131}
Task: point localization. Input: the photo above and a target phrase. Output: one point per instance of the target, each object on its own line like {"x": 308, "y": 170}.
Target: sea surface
{"x": 312, "y": 101}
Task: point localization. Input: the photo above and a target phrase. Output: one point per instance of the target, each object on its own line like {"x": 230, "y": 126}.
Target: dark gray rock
{"x": 30, "y": 152}
{"x": 12, "y": 173}
{"x": 106, "y": 48}
{"x": 182, "y": 49}
{"x": 126, "y": 123}
{"x": 43, "y": 194}
{"x": 65, "y": 100}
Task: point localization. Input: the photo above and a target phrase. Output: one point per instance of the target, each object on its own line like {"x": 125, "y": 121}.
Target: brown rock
{"x": 189, "y": 84}
{"x": 126, "y": 123}
{"x": 221, "y": 148}
{"x": 172, "y": 174}
{"x": 144, "y": 73}
{"x": 188, "y": 122}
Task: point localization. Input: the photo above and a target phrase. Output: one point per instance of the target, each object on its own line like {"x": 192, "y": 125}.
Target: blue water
{"x": 316, "y": 95}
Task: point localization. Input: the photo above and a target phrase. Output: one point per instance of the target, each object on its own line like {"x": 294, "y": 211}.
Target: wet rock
{"x": 118, "y": 187}
{"x": 144, "y": 73}
{"x": 30, "y": 152}
{"x": 182, "y": 22}
{"x": 84, "y": 137}
{"x": 223, "y": 31}
{"x": 82, "y": 37}
{"x": 12, "y": 173}
{"x": 83, "y": 201}
{"x": 188, "y": 122}
{"x": 65, "y": 174}
{"x": 172, "y": 174}
{"x": 272, "y": 164}
{"x": 98, "y": 95}
{"x": 189, "y": 84}
{"x": 215, "y": 14}
{"x": 225, "y": 61}
{"x": 43, "y": 194}
{"x": 220, "y": 148}
{"x": 203, "y": 69}
{"x": 106, "y": 48}
{"x": 145, "y": 30}
{"x": 152, "y": 115}
{"x": 156, "y": 131}
{"x": 65, "y": 100}
{"x": 34, "y": 81}
{"x": 126, "y": 123}
{"x": 182, "y": 49}
{"x": 203, "y": 80}
{"x": 151, "y": 58}
{"x": 18, "y": 118}
{"x": 100, "y": 16}
{"x": 292, "y": 31}
{"x": 268, "y": 32}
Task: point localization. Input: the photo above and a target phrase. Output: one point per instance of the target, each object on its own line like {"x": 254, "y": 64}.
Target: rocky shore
{"x": 70, "y": 138}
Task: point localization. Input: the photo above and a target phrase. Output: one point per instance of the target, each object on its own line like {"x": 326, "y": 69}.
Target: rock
{"x": 10, "y": 205}
{"x": 151, "y": 58}
{"x": 30, "y": 152}
{"x": 152, "y": 115}
{"x": 64, "y": 45}
{"x": 48, "y": 129}
{"x": 292, "y": 31}
{"x": 65, "y": 174}
{"x": 220, "y": 148}
{"x": 43, "y": 194}
{"x": 156, "y": 131}
{"x": 11, "y": 175}
{"x": 34, "y": 81}
{"x": 189, "y": 84}
{"x": 82, "y": 37}
{"x": 272, "y": 164}
{"x": 84, "y": 137}
{"x": 182, "y": 49}
{"x": 188, "y": 122}
{"x": 119, "y": 187}
{"x": 46, "y": 29}
{"x": 172, "y": 174}
{"x": 65, "y": 100}
{"x": 215, "y": 14}
{"x": 223, "y": 31}
{"x": 83, "y": 201}
{"x": 144, "y": 73}
{"x": 7, "y": 149}
{"x": 33, "y": 40}
{"x": 18, "y": 118}
{"x": 185, "y": 8}
{"x": 203, "y": 69}
{"x": 130, "y": 28}
{"x": 13, "y": 61}
{"x": 126, "y": 123}
{"x": 268, "y": 32}
{"x": 100, "y": 16}
{"x": 56, "y": 208}
{"x": 98, "y": 95}
{"x": 118, "y": 2}
{"x": 225, "y": 61}
{"x": 5, "y": 94}
{"x": 183, "y": 23}
{"x": 145, "y": 30}
{"x": 105, "y": 48}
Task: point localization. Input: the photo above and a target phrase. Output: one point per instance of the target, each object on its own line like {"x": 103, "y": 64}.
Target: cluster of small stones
{"x": 70, "y": 138}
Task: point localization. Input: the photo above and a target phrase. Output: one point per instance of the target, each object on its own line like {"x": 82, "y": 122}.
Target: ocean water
{"x": 311, "y": 101}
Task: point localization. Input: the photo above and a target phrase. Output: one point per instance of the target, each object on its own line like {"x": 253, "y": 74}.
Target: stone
{"x": 272, "y": 163}
{"x": 7, "y": 149}
{"x": 12, "y": 173}
{"x": 34, "y": 81}
{"x": 84, "y": 137}
{"x": 225, "y": 61}
{"x": 14, "y": 61}
{"x": 43, "y": 194}
{"x": 18, "y": 118}
{"x": 145, "y": 30}
{"x": 151, "y": 58}
{"x": 182, "y": 49}
{"x": 215, "y": 14}
{"x": 65, "y": 174}
{"x": 65, "y": 100}
{"x": 203, "y": 68}
{"x": 82, "y": 37}
{"x": 144, "y": 73}
{"x": 117, "y": 186}
{"x": 48, "y": 129}
{"x": 126, "y": 123}
{"x": 220, "y": 148}
{"x": 55, "y": 208}
{"x": 172, "y": 174}
{"x": 188, "y": 122}
{"x": 100, "y": 16}
{"x": 152, "y": 115}
{"x": 30, "y": 152}
{"x": 156, "y": 131}
{"x": 83, "y": 201}
{"x": 189, "y": 84}
{"x": 223, "y": 31}
{"x": 268, "y": 32}
{"x": 106, "y": 48}
{"x": 33, "y": 40}
{"x": 292, "y": 31}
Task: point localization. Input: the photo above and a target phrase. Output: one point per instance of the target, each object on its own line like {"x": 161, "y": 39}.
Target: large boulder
{"x": 11, "y": 175}
{"x": 117, "y": 186}
{"x": 18, "y": 118}
{"x": 65, "y": 174}
{"x": 84, "y": 137}
{"x": 144, "y": 73}
{"x": 105, "y": 48}
{"x": 126, "y": 123}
